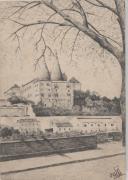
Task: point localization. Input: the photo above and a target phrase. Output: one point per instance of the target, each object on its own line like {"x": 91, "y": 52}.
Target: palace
{"x": 52, "y": 89}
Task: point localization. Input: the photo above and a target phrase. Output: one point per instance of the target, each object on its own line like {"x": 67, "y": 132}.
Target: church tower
{"x": 56, "y": 74}
{"x": 43, "y": 71}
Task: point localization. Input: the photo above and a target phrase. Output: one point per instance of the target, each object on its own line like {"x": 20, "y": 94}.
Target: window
{"x": 105, "y": 124}
{"x": 98, "y": 124}
{"x": 56, "y": 95}
{"x": 68, "y": 86}
{"x": 91, "y": 124}
{"x": 85, "y": 125}
{"x": 112, "y": 124}
{"x": 68, "y": 94}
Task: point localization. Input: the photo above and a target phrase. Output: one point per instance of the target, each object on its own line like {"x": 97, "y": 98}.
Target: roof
{"x": 35, "y": 80}
{"x": 64, "y": 124}
{"x": 14, "y": 86}
{"x": 74, "y": 80}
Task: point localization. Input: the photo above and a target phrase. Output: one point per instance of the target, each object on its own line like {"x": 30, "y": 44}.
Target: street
{"x": 102, "y": 168}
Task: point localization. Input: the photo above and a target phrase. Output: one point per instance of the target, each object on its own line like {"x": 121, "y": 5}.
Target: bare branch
{"x": 82, "y": 12}
{"x": 100, "y": 4}
{"x": 36, "y": 23}
{"x": 102, "y": 41}
{"x": 70, "y": 22}
{"x": 65, "y": 33}
{"x": 97, "y": 31}
{"x": 46, "y": 47}
{"x": 22, "y": 8}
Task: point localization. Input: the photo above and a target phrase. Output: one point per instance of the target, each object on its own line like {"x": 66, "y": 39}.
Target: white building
{"x": 98, "y": 124}
{"x": 28, "y": 126}
{"x": 61, "y": 127}
{"x": 83, "y": 124}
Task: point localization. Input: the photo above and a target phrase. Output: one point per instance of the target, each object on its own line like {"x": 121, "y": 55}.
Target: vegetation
{"x": 85, "y": 103}
{"x": 19, "y": 100}
{"x": 9, "y": 133}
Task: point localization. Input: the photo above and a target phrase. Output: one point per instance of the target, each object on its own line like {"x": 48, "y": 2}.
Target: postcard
{"x": 62, "y": 90}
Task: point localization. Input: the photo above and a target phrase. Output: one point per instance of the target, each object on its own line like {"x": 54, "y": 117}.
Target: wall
{"x": 12, "y": 111}
{"x": 76, "y": 121}
{"x": 15, "y": 150}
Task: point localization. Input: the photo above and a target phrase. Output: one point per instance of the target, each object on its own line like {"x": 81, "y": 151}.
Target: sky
{"x": 96, "y": 69}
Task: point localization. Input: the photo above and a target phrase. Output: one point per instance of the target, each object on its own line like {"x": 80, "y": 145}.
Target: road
{"x": 91, "y": 170}
{"x": 95, "y": 169}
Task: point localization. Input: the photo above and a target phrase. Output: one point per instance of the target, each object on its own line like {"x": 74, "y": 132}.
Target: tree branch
{"x": 102, "y": 41}
{"x": 102, "y": 5}
{"x": 82, "y": 12}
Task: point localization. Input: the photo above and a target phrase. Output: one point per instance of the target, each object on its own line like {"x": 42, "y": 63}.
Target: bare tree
{"x": 83, "y": 25}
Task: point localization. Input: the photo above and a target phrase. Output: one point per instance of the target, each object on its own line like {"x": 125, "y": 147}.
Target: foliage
{"x": 94, "y": 104}
{"x": 6, "y": 132}
{"x": 18, "y": 100}
{"x": 85, "y": 103}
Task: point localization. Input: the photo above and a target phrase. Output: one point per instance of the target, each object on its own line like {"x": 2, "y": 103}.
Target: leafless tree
{"x": 82, "y": 24}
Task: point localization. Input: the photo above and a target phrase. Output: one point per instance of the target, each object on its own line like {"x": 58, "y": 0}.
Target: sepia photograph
{"x": 62, "y": 90}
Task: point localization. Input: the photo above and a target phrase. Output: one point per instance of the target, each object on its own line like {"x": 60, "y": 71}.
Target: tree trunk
{"x": 123, "y": 101}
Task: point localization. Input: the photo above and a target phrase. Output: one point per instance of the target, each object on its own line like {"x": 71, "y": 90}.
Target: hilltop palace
{"x": 51, "y": 89}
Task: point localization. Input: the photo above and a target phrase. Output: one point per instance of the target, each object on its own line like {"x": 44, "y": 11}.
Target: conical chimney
{"x": 56, "y": 74}
{"x": 43, "y": 71}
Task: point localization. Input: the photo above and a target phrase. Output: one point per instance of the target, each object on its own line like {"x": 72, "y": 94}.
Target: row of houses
{"x": 82, "y": 125}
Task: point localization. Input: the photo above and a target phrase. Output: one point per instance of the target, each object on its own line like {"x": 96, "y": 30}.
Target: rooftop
{"x": 14, "y": 86}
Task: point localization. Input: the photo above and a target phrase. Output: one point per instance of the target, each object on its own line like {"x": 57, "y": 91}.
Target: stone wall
{"x": 11, "y": 111}
{"x": 25, "y": 149}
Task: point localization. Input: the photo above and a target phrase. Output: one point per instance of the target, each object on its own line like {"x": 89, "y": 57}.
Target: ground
{"x": 94, "y": 165}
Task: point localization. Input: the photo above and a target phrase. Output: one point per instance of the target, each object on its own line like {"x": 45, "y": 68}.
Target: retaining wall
{"x": 25, "y": 149}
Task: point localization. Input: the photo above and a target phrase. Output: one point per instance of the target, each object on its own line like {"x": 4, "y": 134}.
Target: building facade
{"x": 28, "y": 126}
{"x": 51, "y": 93}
